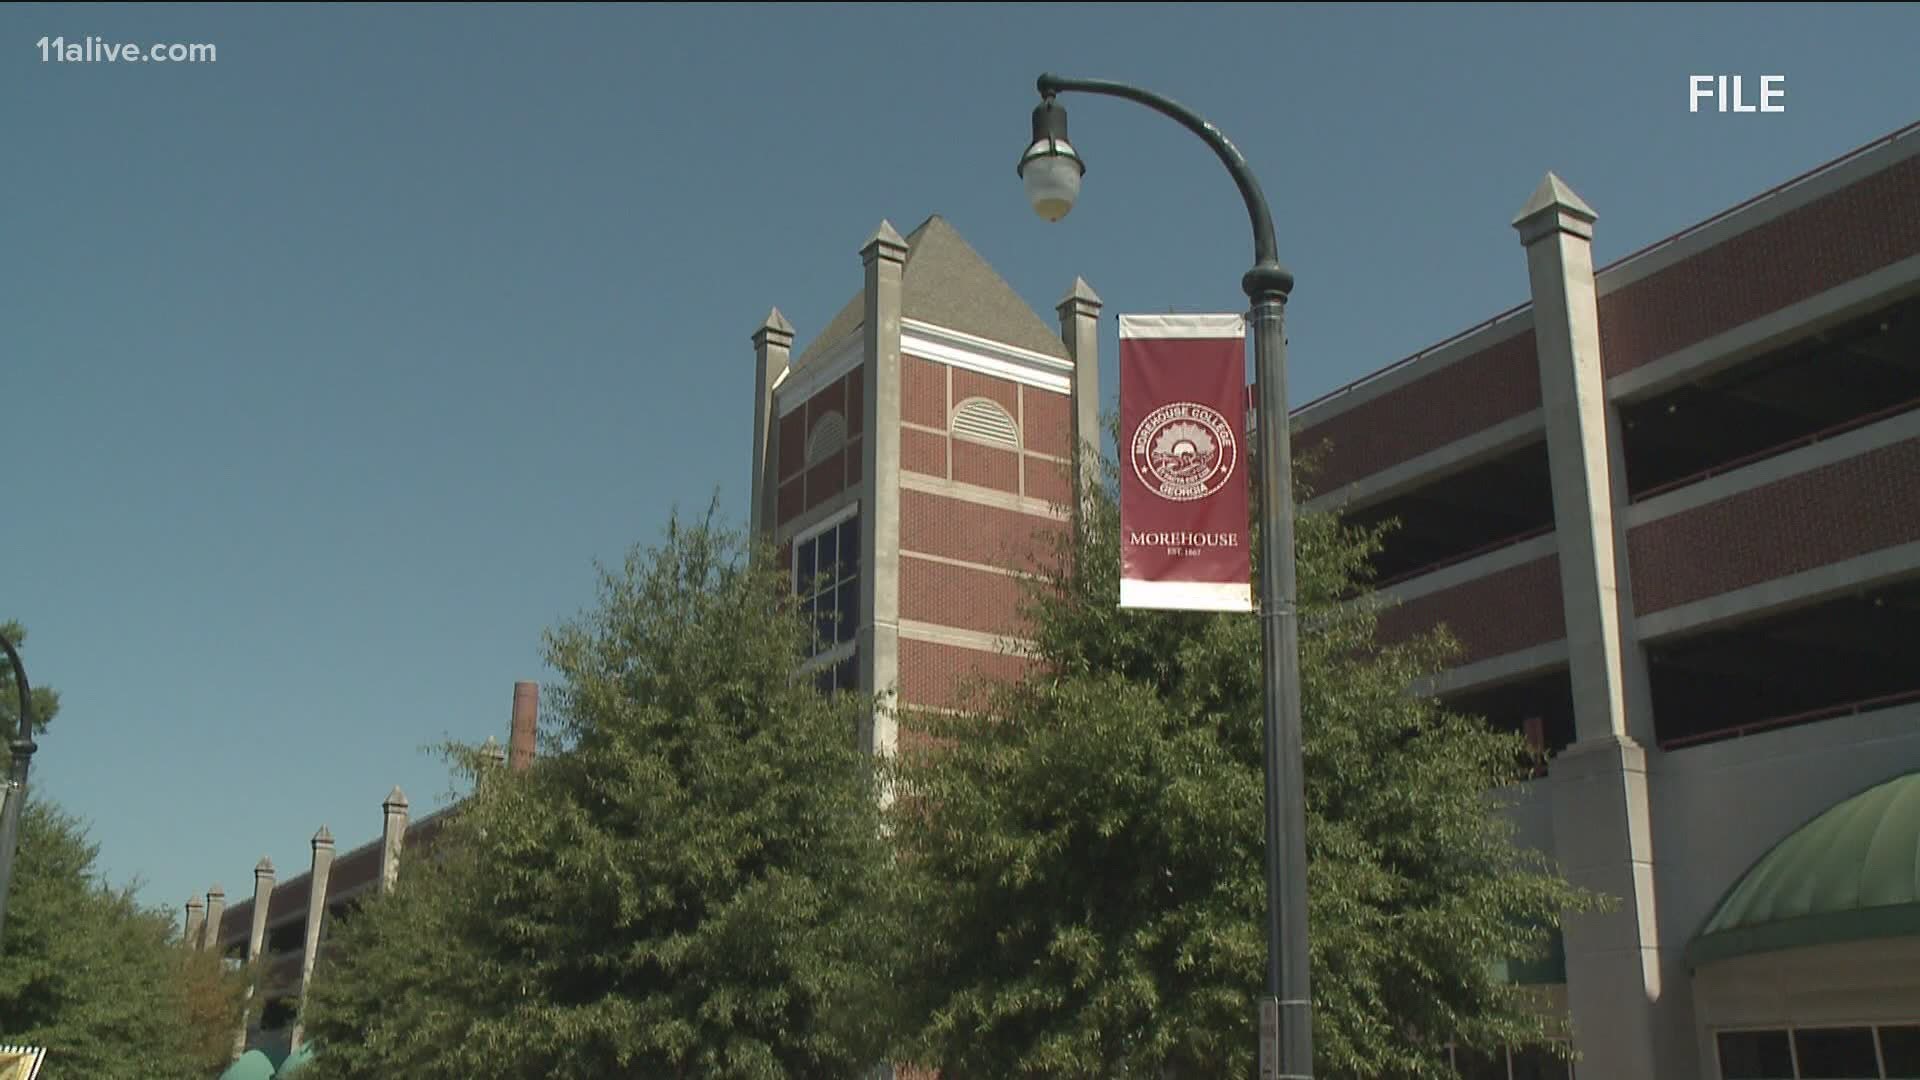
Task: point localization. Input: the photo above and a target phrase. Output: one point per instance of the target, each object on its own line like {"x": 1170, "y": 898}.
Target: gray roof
{"x": 947, "y": 283}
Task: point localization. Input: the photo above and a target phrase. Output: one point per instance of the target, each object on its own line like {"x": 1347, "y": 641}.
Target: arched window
{"x": 829, "y": 435}
{"x": 981, "y": 420}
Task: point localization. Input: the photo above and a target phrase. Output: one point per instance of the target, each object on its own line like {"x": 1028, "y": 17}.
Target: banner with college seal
{"x": 1183, "y": 463}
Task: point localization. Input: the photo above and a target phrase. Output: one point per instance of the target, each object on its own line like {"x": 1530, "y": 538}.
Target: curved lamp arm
{"x": 25, "y": 734}
{"x": 1267, "y": 275}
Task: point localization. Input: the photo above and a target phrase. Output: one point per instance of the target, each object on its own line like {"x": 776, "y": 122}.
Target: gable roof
{"x": 945, "y": 282}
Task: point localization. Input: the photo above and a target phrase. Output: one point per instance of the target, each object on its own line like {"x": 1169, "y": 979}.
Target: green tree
{"x": 697, "y": 884}
{"x": 84, "y": 969}
{"x": 1088, "y": 845}
{"x": 45, "y": 701}
{"x": 99, "y": 980}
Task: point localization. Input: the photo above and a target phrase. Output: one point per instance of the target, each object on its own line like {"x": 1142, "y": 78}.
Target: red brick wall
{"x": 923, "y": 392}
{"x": 986, "y": 466}
{"x": 1047, "y": 479}
{"x": 1828, "y": 242}
{"x": 1804, "y": 521}
{"x": 792, "y": 444}
{"x": 1470, "y": 395}
{"x": 933, "y": 676}
{"x": 1503, "y": 612}
{"x": 923, "y": 452}
{"x": 1047, "y": 421}
{"x": 801, "y": 488}
{"x": 971, "y": 384}
{"x": 960, "y": 597}
{"x": 989, "y": 535}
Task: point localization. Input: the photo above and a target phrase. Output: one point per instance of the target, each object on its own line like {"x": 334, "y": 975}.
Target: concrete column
{"x": 885, "y": 257}
{"x": 1079, "y": 314}
{"x": 521, "y": 736}
{"x": 316, "y": 913}
{"x": 196, "y": 922}
{"x": 262, "y": 898}
{"x": 1627, "y": 1007}
{"x": 216, "y": 909}
{"x": 256, "y": 938}
{"x": 393, "y": 833}
{"x": 772, "y": 345}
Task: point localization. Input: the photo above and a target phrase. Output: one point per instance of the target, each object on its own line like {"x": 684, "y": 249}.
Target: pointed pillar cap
{"x": 396, "y": 799}
{"x": 1554, "y": 207}
{"x": 885, "y": 240}
{"x": 323, "y": 838}
{"x": 491, "y": 750}
{"x": 216, "y": 891}
{"x": 1081, "y": 295}
{"x": 194, "y": 903}
{"x": 263, "y": 868}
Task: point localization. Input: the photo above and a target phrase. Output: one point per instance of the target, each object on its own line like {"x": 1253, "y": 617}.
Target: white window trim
{"x": 844, "y": 649}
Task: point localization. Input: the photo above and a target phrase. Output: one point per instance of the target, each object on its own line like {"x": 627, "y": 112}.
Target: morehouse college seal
{"x": 1184, "y": 451}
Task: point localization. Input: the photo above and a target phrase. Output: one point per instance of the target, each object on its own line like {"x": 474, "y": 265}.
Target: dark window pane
{"x": 1539, "y": 1063}
{"x": 1755, "y": 1055}
{"x": 823, "y": 625}
{"x": 1836, "y": 1054}
{"x": 823, "y": 680}
{"x": 1475, "y": 1065}
{"x": 1900, "y": 1050}
{"x": 850, "y": 544}
{"x": 828, "y": 552}
{"x": 846, "y": 674}
{"x": 849, "y": 605}
{"x": 803, "y": 567}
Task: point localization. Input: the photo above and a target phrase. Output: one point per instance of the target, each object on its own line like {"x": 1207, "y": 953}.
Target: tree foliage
{"x": 696, "y": 884}
{"x": 1087, "y": 844}
{"x": 98, "y": 980}
{"x": 46, "y": 701}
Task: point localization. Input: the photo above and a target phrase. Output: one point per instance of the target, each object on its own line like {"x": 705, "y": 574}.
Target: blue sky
{"x": 331, "y": 367}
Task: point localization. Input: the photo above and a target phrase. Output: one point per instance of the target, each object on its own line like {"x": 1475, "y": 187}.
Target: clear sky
{"x": 331, "y": 367}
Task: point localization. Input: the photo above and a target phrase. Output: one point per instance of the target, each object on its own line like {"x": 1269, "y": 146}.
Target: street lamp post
{"x": 16, "y": 782}
{"x": 1051, "y": 170}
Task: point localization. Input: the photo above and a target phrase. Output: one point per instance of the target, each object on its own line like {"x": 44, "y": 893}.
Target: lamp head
{"x": 1051, "y": 169}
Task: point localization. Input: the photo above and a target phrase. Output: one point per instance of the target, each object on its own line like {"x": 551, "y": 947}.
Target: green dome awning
{"x": 1851, "y": 874}
{"x": 252, "y": 1065}
{"x": 296, "y": 1061}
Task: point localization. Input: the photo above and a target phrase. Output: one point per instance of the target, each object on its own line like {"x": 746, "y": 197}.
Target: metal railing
{"x": 1829, "y": 712}
{"x": 1465, "y": 556}
{"x": 1778, "y": 449}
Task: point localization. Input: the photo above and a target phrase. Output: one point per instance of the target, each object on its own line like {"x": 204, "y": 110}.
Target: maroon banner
{"x": 1183, "y": 463}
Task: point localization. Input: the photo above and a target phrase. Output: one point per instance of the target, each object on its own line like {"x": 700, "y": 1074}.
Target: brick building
{"x": 1671, "y": 509}
{"x": 280, "y": 929}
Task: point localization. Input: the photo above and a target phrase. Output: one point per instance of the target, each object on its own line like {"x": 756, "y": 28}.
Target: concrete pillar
{"x": 1079, "y": 313}
{"x": 262, "y": 898}
{"x": 256, "y": 938}
{"x": 521, "y": 736}
{"x": 885, "y": 258}
{"x": 1629, "y": 1015}
{"x": 196, "y": 922}
{"x": 491, "y": 754}
{"x": 772, "y": 345}
{"x": 216, "y": 909}
{"x": 393, "y": 833}
{"x": 316, "y": 913}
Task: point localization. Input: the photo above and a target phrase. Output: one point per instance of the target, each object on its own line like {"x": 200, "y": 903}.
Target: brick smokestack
{"x": 526, "y": 721}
